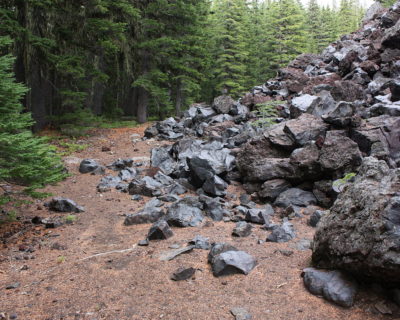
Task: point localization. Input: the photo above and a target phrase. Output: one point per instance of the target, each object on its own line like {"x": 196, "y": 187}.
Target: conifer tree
{"x": 231, "y": 50}
{"x": 24, "y": 158}
{"x": 287, "y": 36}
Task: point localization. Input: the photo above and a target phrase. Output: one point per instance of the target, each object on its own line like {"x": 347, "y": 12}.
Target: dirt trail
{"x": 62, "y": 283}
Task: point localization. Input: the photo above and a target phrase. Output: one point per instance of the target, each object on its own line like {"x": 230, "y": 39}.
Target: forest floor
{"x": 53, "y": 274}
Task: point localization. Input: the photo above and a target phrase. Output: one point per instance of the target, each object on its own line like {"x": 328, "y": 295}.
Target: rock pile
{"x": 339, "y": 115}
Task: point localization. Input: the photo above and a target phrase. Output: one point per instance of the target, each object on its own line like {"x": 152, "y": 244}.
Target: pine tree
{"x": 24, "y": 158}
{"x": 231, "y": 53}
{"x": 286, "y": 33}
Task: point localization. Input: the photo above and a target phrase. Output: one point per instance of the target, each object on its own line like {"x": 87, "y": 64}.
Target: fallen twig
{"x": 108, "y": 252}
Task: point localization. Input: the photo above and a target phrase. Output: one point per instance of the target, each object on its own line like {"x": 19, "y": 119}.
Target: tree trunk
{"x": 143, "y": 100}
{"x": 179, "y": 99}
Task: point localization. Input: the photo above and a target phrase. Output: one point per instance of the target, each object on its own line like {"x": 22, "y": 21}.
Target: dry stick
{"x": 108, "y": 252}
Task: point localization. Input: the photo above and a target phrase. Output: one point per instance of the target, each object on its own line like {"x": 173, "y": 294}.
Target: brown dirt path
{"x": 59, "y": 283}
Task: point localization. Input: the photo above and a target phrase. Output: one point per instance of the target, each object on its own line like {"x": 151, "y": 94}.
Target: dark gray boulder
{"x": 391, "y": 38}
{"x": 394, "y": 86}
{"x": 214, "y": 208}
{"x": 215, "y": 186}
{"x": 316, "y": 217}
{"x": 183, "y": 274}
{"x": 242, "y": 229}
{"x": 282, "y": 233}
{"x": 186, "y": 212}
{"x": 200, "y": 242}
{"x": 107, "y": 183}
{"x": 91, "y": 166}
{"x": 218, "y": 248}
{"x": 127, "y": 174}
{"x": 259, "y": 215}
{"x": 64, "y": 205}
{"x": 161, "y": 158}
{"x": 379, "y": 137}
{"x": 271, "y": 189}
{"x": 296, "y": 197}
{"x": 230, "y": 262}
{"x": 120, "y": 164}
{"x": 160, "y": 230}
{"x": 147, "y": 215}
{"x": 268, "y": 169}
{"x": 146, "y": 186}
{"x": 341, "y": 115}
{"x": 361, "y": 232}
{"x": 334, "y": 286}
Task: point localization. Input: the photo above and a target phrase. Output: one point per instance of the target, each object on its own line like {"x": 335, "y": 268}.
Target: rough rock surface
{"x": 361, "y": 232}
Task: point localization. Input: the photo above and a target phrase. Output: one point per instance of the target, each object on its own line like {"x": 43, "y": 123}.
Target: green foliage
{"x": 339, "y": 184}
{"x": 70, "y": 219}
{"x": 266, "y": 113}
{"x": 24, "y": 158}
{"x": 9, "y": 216}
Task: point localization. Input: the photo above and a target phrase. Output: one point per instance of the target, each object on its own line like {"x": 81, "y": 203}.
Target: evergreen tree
{"x": 24, "y": 158}
{"x": 286, "y": 32}
{"x": 231, "y": 52}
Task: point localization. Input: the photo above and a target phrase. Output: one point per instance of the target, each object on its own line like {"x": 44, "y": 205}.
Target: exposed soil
{"x": 60, "y": 280}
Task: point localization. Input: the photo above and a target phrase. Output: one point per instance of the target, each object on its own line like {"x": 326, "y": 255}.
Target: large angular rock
{"x": 341, "y": 115}
{"x": 295, "y": 197}
{"x": 185, "y": 213}
{"x": 303, "y": 104}
{"x": 218, "y": 248}
{"x": 91, "y": 166}
{"x": 279, "y": 137}
{"x": 339, "y": 152}
{"x": 391, "y": 38}
{"x": 306, "y": 159}
{"x": 230, "y": 262}
{"x": 361, "y": 232}
{"x": 268, "y": 169}
{"x": 306, "y": 128}
{"x": 215, "y": 186}
{"x": 271, "y": 189}
{"x": 242, "y": 229}
{"x": 214, "y": 208}
{"x": 120, "y": 164}
{"x": 161, "y": 158}
{"x": 223, "y": 104}
{"x": 259, "y": 215}
{"x": 107, "y": 183}
{"x": 127, "y": 174}
{"x": 379, "y": 137}
{"x": 146, "y": 186}
{"x": 282, "y": 233}
{"x": 64, "y": 205}
{"x": 334, "y": 286}
{"x": 160, "y": 230}
{"x": 151, "y": 213}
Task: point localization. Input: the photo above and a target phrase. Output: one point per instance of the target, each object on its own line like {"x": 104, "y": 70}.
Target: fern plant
{"x": 266, "y": 113}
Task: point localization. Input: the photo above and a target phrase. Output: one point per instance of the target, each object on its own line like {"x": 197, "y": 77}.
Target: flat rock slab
{"x": 334, "y": 286}
{"x": 241, "y": 314}
{"x": 231, "y": 262}
{"x": 172, "y": 254}
{"x": 183, "y": 274}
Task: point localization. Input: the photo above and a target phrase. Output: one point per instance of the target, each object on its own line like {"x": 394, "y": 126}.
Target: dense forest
{"x": 153, "y": 58}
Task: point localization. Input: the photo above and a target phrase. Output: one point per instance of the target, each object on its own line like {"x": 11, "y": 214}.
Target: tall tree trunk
{"x": 143, "y": 100}
{"x": 179, "y": 98}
